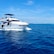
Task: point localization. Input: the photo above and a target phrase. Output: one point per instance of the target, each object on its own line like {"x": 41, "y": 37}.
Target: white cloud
{"x": 29, "y": 2}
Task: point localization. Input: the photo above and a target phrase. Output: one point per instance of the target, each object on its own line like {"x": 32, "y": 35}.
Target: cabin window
{"x": 15, "y": 20}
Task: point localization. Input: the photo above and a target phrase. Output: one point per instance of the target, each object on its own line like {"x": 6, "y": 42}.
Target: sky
{"x": 31, "y": 11}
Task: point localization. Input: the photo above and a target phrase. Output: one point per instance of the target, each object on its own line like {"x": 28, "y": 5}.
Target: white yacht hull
{"x": 15, "y": 28}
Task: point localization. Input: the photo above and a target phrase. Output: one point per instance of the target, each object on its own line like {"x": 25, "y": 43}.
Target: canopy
{"x": 9, "y": 14}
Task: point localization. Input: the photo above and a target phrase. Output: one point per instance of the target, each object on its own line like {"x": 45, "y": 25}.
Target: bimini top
{"x": 9, "y": 14}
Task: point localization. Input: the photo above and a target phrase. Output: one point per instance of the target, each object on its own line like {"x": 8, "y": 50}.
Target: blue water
{"x": 38, "y": 41}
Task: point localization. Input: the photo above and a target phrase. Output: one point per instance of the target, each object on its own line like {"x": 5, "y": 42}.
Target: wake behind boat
{"x": 10, "y": 23}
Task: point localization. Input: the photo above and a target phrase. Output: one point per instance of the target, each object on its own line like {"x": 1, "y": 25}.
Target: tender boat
{"x": 11, "y": 23}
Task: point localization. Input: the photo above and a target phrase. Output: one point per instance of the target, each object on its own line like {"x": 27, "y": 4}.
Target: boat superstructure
{"x": 11, "y": 23}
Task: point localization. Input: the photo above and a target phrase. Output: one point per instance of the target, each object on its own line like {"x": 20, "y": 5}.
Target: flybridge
{"x": 9, "y": 15}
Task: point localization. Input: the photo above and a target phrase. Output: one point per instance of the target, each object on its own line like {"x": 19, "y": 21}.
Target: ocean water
{"x": 38, "y": 41}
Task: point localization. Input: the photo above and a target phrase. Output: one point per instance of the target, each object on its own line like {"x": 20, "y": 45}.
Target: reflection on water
{"x": 19, "y": 39}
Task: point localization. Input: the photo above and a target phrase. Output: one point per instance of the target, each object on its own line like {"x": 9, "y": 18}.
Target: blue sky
{"x": 32, "y": 11}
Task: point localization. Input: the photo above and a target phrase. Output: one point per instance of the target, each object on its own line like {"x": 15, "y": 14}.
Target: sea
{"x": 40, "y": 40}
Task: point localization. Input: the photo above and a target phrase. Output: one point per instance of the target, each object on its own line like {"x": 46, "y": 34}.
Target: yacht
{"x": 9, "y": 22}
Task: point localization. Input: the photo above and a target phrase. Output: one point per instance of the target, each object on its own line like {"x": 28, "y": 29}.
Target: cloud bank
{"x": 39, "y": 15}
